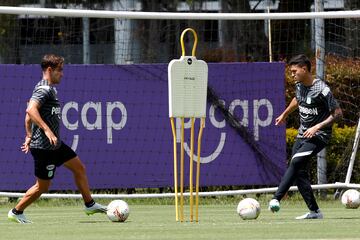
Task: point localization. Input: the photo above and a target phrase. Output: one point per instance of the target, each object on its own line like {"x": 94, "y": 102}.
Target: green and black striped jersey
{"x": 50, "y": 112}
{"x": 315, "y": 102}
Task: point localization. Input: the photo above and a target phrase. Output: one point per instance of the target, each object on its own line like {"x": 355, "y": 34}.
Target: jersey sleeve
{"x": 329, "y": 98}
{"x": 298, "y": 92}
{"x": 40, "y": 94}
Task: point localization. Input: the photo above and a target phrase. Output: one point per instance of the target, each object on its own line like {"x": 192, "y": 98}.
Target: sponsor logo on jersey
{"x": 55, "y": 110}
{"x": 311, "y": 111}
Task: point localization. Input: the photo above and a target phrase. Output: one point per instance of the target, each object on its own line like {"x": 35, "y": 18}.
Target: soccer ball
{"x": 118, "y": 211}
{"x": 351, "y": 199}
{"x": 274, "y": 205}
{"x": 248, "y": 208}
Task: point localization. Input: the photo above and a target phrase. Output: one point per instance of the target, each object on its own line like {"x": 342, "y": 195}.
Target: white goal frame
{"x": 55, "y": 12}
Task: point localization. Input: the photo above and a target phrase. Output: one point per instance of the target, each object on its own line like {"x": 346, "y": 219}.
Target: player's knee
{"x": 297, "y": 162}
{"x": 42, "y": 188}
{"x": 302, "y": 174}
{"x": 76, "y": 166}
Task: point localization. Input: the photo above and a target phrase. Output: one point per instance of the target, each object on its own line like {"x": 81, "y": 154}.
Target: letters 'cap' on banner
{"x": 188, "y": 78}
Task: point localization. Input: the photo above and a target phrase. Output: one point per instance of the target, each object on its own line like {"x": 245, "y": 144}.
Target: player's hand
{"x": 310, "y": 132}
{"x": 280, "y": 120}
{"x": 26, "y": 145}
{"x": 51, "y": 136}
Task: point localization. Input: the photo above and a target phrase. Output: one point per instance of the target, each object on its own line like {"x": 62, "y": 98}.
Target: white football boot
{"x": 96, "y": 208}
{"x": 311, "y": 215}
{"x": 18, "y": 218}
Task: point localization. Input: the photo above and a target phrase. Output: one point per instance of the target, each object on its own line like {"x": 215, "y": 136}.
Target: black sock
{"x": 90, "y": 204}
{"x": 16, "y": 212}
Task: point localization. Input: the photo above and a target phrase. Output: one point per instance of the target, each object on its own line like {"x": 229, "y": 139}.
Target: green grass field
{"x": 64, "y": 219}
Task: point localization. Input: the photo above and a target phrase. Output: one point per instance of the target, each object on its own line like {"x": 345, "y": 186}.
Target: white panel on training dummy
{"x": 188, "y": 79}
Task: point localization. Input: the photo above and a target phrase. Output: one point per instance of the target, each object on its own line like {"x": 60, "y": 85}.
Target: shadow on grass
{"x": 104, "y": 221}
{"x": 349, "y": 218}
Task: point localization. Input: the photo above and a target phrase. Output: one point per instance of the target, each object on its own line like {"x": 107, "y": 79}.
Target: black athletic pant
{"x": 303, "y": 150}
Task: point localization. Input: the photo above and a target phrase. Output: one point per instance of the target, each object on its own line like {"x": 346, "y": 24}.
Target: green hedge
{"x": 338, "y": 154}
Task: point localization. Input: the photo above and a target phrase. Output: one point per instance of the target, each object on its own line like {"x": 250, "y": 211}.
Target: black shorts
{"x": 46, "y": 161}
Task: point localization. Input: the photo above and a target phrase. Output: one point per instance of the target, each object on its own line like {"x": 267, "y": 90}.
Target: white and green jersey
{"x": 50, "y": 111}
{"x": 315, "y": 104}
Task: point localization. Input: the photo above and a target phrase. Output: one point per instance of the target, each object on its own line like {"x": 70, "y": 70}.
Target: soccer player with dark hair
{"x": 318, "y": 110}
{"x": 42, "y": 123}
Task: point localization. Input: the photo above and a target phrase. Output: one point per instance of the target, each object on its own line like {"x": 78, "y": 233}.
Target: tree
{"x": 153, "y": 32}
{"x": 245, "y": 38}
{"x": 9, "y": 49}
{"x": 291, "y": 37}
{"x": 352, "y": 30}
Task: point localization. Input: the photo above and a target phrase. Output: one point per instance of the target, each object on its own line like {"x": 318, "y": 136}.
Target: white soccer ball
{"x": 248, "y": 208}
{"x": 351, "y": 199}
{"x": 118, "y": 211}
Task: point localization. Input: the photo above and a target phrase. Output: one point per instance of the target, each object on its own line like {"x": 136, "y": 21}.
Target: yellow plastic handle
{"x": 182, "y": 41}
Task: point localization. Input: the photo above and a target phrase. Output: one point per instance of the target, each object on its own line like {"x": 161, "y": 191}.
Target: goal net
{"x": 114, "y": 91}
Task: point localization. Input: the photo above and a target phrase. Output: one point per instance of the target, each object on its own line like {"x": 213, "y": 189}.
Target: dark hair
{"x": 51, "y": 60}
{"x": 301, "y": 60}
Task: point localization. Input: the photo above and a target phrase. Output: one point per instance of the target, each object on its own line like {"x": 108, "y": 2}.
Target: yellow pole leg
{"x": 191, "y": 171}
{"x": 202, "y": 123}
{"x": 175, "y": 170}
{"x": 182, "y": 172}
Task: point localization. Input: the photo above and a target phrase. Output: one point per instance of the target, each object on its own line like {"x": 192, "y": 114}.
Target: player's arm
{"x": 34, "y": 114}
{"x": 292, "y": 106}
{"x": 26, "y": 145}
{"x": 335, "y": 115}
{"x": 28, "y": 126}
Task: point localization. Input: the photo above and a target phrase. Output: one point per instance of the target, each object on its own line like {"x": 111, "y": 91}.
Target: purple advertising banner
{"x": 116, "y": 119}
